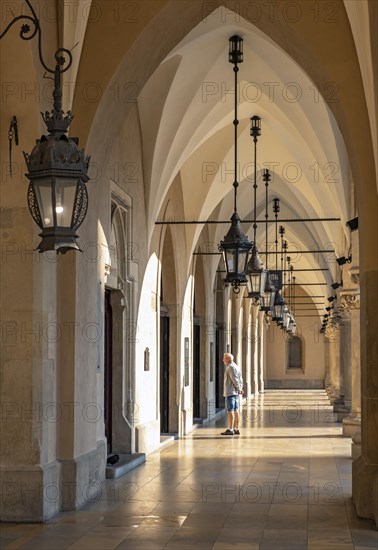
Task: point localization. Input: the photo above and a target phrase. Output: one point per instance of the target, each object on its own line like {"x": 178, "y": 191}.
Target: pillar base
{"x": 341, "y": 409}
{"x": 30, "y": 493}
{"x": 341, "y": 412}
{"x": 333, "y": 394}
{"x": 351, "y": 425}
{"x": 365, "y": 489}
{"x": 356, "y": 450}
{"x": 356, "y": 445}
{"x": 82, "y": 477}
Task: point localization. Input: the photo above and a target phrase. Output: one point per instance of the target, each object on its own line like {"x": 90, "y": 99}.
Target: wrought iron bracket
{"x": 27, "y": 33}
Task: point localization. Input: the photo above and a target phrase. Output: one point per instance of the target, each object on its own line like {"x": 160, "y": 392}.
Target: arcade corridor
{"x": 283, "y": 484}
{"x": 203, "y": 180}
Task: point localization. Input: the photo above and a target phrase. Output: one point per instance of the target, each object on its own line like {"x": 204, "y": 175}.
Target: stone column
{"x": 356, "y": 383}
{"x": 351, "y": 423}
{"x": 332, "y": 381}
{"x": 248, "y": 367}
{"x": 255, "y": 350}
{"x": 343, "y": 404}
{"x": 30, "y": 472}
{"x": 365, "y": 467}
{"x": 261, "y": 329}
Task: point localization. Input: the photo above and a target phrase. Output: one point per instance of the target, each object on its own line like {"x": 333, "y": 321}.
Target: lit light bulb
{"x": 47, "y": 221}
{"x": 59, "y": 209}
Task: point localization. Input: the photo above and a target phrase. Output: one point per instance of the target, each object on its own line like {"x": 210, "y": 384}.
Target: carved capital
{"x": 332, "y": 331}
{"x": 350, "y": 301}
{"x": 354, "y": 274}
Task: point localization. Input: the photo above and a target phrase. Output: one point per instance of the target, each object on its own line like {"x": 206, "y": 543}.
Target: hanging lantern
{"x": 256, "y": 275}
{"x": 57, "y": 194}
{"x": 57, "y": 170}
{"x": 267, "y": 301}
{"x": 286, "y": 318}
{"x": 235, "y": 248}
{"x": 235, "y": 51}
{"x": 292, "y": 326}
{"x": 279, "y": 305}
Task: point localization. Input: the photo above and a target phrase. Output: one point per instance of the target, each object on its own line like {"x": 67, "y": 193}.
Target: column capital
{"x": 354, "y": 274}
{"x": 350, "y": 299}
{"x": 332, "y": 330}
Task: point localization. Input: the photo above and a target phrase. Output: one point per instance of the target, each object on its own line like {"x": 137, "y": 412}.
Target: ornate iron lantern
{"x": 256, "y": 276}
{"x": 267, "y": 301}
{"x": 235, "y": 247}
{"x": 278, "y": 308}
{"x": 57, "y": 168}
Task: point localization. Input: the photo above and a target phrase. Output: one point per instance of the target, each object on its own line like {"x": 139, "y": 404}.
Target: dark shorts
{"x": 232, "y": 403}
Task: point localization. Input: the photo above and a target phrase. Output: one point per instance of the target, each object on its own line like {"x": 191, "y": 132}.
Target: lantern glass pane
{"x": 253, "y": 283}
{"x": 263, "y": 276}
{"x": 272, "y": 298}
{"x": 42, "y": 188}
{"x": 242, "y": 261}
{"x": 65, "y": 192}
{"x": 230, "y": 256}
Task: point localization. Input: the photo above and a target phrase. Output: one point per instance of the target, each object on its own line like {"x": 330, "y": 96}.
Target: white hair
{"x": 229, "y": 355}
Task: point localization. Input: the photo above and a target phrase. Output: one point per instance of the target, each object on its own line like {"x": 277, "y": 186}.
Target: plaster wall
{"x": 313, "y": 374}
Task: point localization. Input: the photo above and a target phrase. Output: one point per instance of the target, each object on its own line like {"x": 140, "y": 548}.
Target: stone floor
{"x": 283, "y": 484}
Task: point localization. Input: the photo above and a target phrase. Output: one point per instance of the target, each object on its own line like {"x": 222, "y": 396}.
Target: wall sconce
{"x": 335, "y": 286}
{"x": 352, "y": 224}
{"x": 343, "y": 260}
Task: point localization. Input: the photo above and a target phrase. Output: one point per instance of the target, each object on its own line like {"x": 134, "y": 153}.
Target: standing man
{"x": 232, "y": 387}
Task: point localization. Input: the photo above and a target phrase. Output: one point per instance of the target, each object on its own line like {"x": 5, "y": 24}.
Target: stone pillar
{"x": 365, "y": 467}
{"x": 255, "y": 350}
{"x": 261, "y": 329}
{"x": 343, "y": 404}
{"x": 356, "y": 383}
{"x": 248, "y": 359}
{"x": 351, "y": 423}
{"x": 332, "y": 381}
{"x": 29, "y": 466}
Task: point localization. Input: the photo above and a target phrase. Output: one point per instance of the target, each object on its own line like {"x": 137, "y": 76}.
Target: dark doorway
{"x": 217, "y": 369}
{"x": 108, "y": 365}
{"x": 164, "y": 374}
{"x": 295, "y": 353}
{"x": 196, "y": 370}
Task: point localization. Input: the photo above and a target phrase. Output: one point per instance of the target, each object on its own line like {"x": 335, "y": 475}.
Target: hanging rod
{"x": 309, "y": 297}
{"x": 300, "y": 252}
{"x": 296, "y": 271}
{"x": 270, "y": 252}
{"x": 304, "y": 303}
{"x": 286, "y": 220}
{"x": 306, "y": 284}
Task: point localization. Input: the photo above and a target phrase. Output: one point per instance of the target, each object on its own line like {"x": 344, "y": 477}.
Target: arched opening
{"x": 220, "y": 341}
{"x": 119, "y": 334}
{"x": 200, "y": 342}
{"x": 168, "y": 339}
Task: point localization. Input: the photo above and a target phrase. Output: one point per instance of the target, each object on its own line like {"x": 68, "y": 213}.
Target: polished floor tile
{"x": 283, "y": 484}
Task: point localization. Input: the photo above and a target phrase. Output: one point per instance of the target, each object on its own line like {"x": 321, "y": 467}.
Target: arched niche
{"x": 295, "y": 354}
